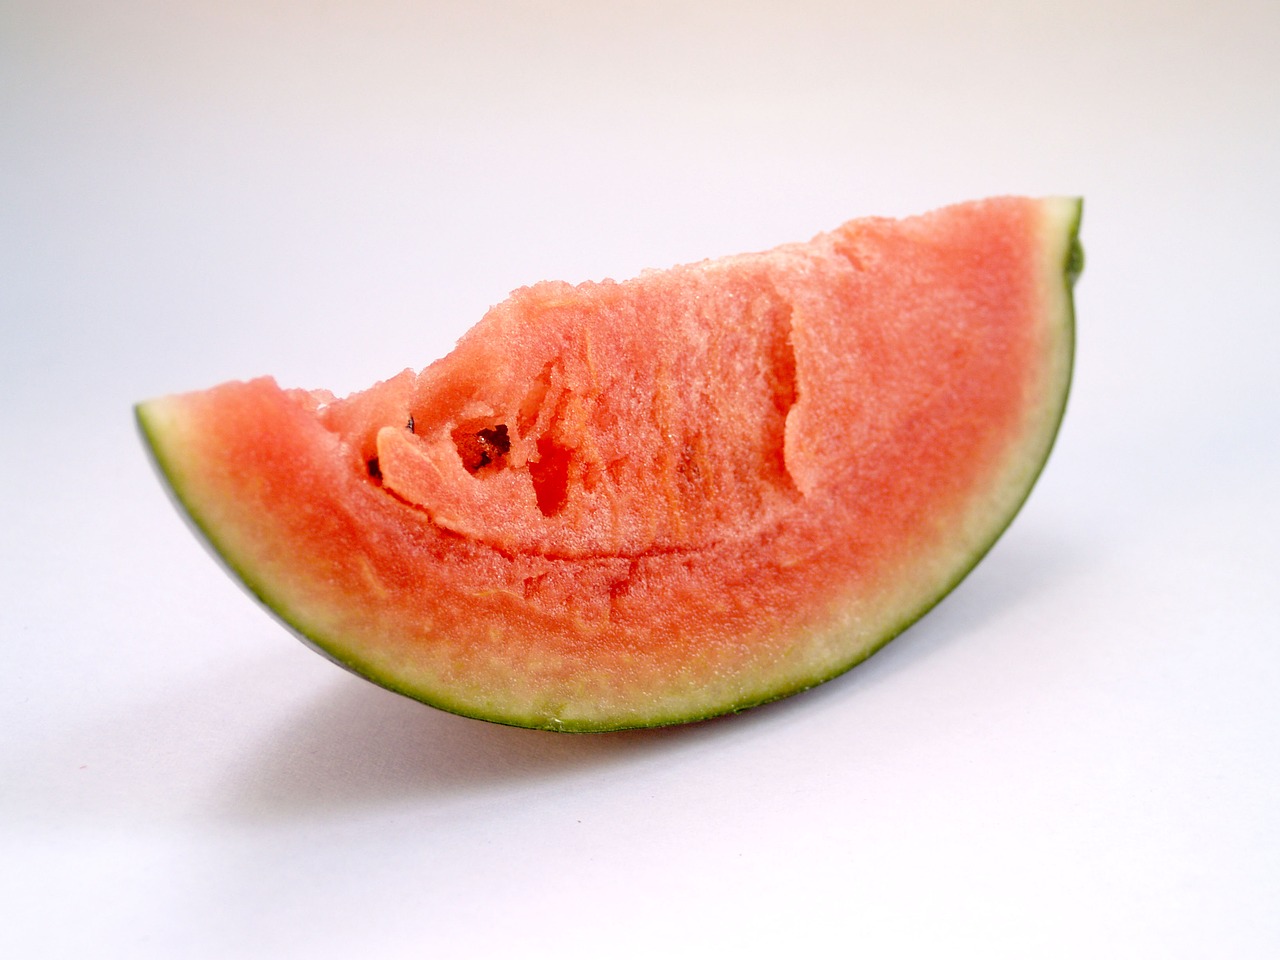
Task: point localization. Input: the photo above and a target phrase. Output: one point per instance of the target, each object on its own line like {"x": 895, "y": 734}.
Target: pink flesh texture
{"x": 624, "y": 503}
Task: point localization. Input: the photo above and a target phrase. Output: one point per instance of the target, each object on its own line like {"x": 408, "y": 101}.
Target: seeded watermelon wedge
{"x": 632, "y": 504}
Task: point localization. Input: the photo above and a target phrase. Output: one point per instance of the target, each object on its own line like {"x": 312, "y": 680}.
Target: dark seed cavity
{"x": 482, "y": 448}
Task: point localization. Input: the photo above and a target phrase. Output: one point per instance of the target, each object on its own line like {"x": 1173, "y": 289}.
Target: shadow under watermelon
{"x": 359, "y": 746}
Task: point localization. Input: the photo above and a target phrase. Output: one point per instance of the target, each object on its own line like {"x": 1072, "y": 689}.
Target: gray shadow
{"x": 359, "y": 745}
{"x": 1020, "y": 567}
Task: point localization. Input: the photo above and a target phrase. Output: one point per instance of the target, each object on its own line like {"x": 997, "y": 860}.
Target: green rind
{"x": 154, "y": 441}
{"x": 166, "y": 466}
{"x": 1072, "y": 267}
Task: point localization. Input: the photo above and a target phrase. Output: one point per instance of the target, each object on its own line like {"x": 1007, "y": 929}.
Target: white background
{"x": 1076, "y": 755}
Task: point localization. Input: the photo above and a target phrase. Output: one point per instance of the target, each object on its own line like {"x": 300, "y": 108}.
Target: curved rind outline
{"x": 1071, "y": 266}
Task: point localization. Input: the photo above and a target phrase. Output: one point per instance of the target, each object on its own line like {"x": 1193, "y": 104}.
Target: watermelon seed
{"x": 409, "y": 425}
{"x": 480, "y": 448}
{"x": 374, "y": 469}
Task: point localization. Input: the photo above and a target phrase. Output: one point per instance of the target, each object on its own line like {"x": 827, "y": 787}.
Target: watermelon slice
{"x": 630, "y": 504}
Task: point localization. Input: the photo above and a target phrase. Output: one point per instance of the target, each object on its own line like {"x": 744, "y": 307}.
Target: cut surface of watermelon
{"x": 631, "y": 504}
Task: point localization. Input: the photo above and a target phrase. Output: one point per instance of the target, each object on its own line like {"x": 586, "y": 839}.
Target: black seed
{"x": 482, "y": 447}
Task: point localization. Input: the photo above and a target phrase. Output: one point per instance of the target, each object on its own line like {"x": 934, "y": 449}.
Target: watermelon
{"x": 620, "y": 505}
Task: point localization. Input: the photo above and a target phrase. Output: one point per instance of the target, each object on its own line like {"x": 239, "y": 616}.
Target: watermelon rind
{"x": 162, "y": 432}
